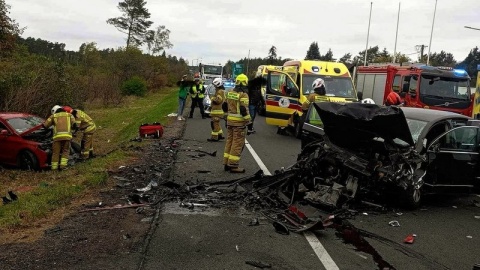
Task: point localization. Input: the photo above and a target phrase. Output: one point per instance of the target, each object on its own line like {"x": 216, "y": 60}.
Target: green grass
{"x": 52, "y": 190}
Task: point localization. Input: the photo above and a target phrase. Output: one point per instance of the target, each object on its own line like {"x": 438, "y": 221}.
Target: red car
{"x": 23, "y": 141}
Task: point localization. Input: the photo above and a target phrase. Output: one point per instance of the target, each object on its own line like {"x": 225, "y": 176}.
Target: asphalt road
{"x": 447, "y": 232}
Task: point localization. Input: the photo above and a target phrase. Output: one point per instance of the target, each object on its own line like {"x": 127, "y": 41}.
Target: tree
{"x": 158, "y": 40}
{"x": 372, "y": 53}
{"x": 470, "y": 64}
{"x": 272, "y": 54}
{"x": 382, "y": 57}
{"x": 313, "y": 52}
{"x": 346, "y": 58}
{"x": 328, "y": 56}
{"x": 133, "y": 22}
{"x": 9, "y": 30}
{"x": 442, "y": 59}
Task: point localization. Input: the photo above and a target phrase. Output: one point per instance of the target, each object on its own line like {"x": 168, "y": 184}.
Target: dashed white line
{"x": 314, "y": 242}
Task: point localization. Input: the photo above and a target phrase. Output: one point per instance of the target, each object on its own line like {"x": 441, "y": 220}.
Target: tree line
{"x": 36, "y": 74}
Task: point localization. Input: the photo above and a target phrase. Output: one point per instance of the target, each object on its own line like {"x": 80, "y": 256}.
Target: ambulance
{"x": 285, "y": 95}
{"x": 476, "y": 106}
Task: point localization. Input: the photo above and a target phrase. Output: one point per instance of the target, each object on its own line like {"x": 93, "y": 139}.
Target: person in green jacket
{"x": 182, "y": 96}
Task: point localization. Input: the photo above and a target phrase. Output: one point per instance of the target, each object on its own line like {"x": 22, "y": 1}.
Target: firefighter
{"x": 86, "y": 125}
{"x": 197, "y": 91}
{"x": 238, "y": 117}
{"x": 393, "y": 99}
{"x": 216, "y": 112}
{"x": 318, "y": 95}
{"x": 62, "y": 123}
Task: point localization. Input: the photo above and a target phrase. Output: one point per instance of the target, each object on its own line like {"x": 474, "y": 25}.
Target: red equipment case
{"x": 154, "y": 130}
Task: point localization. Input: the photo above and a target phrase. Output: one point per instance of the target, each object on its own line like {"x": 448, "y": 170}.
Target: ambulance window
{"x": 396, "y": 83}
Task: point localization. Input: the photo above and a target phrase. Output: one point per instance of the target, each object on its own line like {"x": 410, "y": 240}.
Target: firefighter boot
{"x": 237, "y": 170}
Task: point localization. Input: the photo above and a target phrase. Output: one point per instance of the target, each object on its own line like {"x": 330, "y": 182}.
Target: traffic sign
{"x": 237, "y": 69}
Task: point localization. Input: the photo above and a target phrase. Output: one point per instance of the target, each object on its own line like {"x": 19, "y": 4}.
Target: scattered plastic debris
{"x": 409, "y": 239}
{"x": 469, "y": 236}
{"x": 254, "y": 222}
{"x": 280, "y": 228}
{"x": 394, "y": 223}
{"x": 258, "y": 264}
{"x": 236, "y": 247}
{"x": 365, "y": 213}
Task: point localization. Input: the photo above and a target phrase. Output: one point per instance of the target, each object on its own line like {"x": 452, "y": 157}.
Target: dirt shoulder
{"x": 111, "y": 238}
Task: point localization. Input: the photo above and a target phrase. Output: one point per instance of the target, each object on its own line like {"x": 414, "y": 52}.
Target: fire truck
{"x": 419, "y": 85}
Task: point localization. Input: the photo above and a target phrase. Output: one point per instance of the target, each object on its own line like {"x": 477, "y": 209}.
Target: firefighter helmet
{"x": 55, "y": 108}
{"x": 318, "y": 83}
{"x": 68, "y": 109}
{"x": 241, "y": 79}
{"x": 217, "y": 82}
{"x": 368, "y": 101}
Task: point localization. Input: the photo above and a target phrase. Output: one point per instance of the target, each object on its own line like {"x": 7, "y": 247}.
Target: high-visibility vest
{"x": 235, "y": 100}
{"x": 198, "y": 91}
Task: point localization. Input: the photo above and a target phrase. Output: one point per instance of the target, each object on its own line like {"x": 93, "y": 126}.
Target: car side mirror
{"x": 4, "y": 132}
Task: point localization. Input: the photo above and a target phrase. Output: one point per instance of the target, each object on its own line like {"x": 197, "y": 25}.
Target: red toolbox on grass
{"x": 154, "y": 130}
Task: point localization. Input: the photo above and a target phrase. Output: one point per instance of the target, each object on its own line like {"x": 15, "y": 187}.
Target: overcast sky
{"x": 219, "y": 30}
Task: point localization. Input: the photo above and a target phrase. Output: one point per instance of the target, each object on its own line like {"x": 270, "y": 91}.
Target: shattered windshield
{"x": 416, "y": 127}
{"x": 22, "y": 124}
{"x": 335, "y": 86}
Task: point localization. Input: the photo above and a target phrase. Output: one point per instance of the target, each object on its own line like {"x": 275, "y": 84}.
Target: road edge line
{"x": 314, "y": 242}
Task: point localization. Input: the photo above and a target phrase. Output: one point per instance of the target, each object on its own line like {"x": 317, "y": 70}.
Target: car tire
{"x": 413, "y": 198}
{"x": 27, "y": 161}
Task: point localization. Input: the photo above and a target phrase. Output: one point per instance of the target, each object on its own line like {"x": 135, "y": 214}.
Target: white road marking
{"x": 314, "y": 242}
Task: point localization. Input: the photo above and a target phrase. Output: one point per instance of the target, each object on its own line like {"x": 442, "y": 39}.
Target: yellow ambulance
{"x": 476, "y": 104}
{"x": 286, "y": 93}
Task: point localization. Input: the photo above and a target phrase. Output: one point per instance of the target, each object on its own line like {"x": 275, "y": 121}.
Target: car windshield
{"x": 334, "y": 86}
{"x": 444, "y": 87}
{"x": 416, "y": 127}
{"x": 22, "y": 124}
{"x": 212, "y": 70}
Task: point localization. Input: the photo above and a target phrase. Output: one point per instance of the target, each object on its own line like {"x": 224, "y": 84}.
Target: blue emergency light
{"x": 459, "y": 72}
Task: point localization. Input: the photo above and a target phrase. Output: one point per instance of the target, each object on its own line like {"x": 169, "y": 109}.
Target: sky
{"x": 214, "y": 31}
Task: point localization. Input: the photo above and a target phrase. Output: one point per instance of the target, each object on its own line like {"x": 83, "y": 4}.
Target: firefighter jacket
{"x": 84, "y": 122}
{"x": 314, "y": 97}
{"x": 217, "y": 101}
{"x": 237, "y": 113}
{"x": 62, "y": 123}
{"x": 197, "y": 91}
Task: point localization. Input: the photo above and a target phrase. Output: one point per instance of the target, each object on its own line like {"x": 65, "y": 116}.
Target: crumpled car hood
{"x": 351, "y": 124}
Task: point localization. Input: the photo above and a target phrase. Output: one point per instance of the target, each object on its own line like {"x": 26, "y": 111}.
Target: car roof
{"x": 10, "y": 115}
{"x": 429, "y": 115}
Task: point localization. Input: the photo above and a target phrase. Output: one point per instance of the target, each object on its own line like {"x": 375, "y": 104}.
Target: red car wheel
{"x": 27, "y": 161}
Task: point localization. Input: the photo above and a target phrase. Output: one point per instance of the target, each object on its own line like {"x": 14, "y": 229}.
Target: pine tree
{"x": 313, "y": 52}
{"x": 133, "y": 22}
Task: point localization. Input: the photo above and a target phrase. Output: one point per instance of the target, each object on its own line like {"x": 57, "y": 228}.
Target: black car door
{"x": 453, "y": 157}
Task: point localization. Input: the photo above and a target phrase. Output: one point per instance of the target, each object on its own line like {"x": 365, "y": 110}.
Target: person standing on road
{"x": 318, "y": 95}
{"x": 216, "y": 112}
{"x": 238, "y": 117}
{"x": 182, "y": 97}
{"x": 86, "y": 125}
{"x": 255, "y": 100}
{"x": 197, "y": 91}
{"x": 62, "y": 123}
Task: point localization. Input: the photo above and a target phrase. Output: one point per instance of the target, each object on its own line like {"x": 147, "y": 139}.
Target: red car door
{"x": 9, "y": 143}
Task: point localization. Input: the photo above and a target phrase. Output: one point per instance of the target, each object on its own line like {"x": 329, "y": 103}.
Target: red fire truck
{"x": 421, "y": 86}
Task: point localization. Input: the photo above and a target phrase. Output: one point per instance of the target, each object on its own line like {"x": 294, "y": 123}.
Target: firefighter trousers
{"x": 60, "y": 153}
{"x": 217, "y": 131}
{"x": 234, "y": 145}
{"x": 87, "y": 144}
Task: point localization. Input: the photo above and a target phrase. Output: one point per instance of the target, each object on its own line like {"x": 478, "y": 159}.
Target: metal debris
{"x": 394, "y": 223}
{"x": 258, "y": 264}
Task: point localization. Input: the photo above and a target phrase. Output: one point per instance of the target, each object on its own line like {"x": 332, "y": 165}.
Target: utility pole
{"x": 431, "y": 34}
{"x": 368, "y": 34}
{"x": 248, "y": 61}
{"x": 396, "y": 35}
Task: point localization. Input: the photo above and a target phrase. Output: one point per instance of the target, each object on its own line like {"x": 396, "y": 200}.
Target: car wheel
{"x": 27, "y": 161}
{"x": 413, "y": 197}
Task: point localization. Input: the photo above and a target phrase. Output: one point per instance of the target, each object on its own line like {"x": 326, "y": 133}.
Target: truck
{"x": 419, "y": 85}
{"x": 286, "y": 94}
{"x": 211, "y": 71}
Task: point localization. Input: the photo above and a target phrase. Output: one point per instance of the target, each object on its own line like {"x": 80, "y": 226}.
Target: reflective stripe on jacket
{"x": 217, "y": 101}
{"x": 62, "y": 125}
{"x": 235, "y": 101}
{"x": 84, "y": 122}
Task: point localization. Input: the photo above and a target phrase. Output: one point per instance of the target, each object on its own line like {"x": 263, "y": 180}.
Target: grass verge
{"x": 41, "y": 194}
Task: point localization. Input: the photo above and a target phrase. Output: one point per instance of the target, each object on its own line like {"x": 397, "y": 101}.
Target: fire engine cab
{"x": 420, "y": 86}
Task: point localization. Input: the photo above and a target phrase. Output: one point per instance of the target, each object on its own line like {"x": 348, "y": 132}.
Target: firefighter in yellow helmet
{"x": 62, "y": 123}
{"x": 216, "y": 112}
{"x": 86, "y": 125}
{"x": 238, "y": 117}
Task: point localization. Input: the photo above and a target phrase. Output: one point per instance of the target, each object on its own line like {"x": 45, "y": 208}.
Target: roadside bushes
{"x": 135, "y": 86}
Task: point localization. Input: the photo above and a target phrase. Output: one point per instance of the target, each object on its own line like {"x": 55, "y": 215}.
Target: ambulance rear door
{"x": 282, "y": 98}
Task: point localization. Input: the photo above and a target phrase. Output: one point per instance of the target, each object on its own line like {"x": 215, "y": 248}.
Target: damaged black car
{"x": 365, "y": 150}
